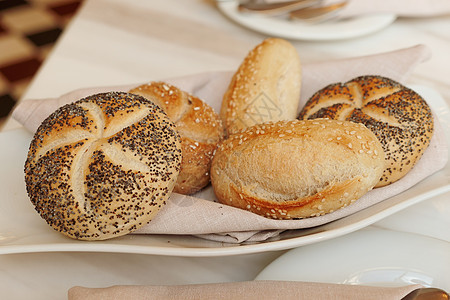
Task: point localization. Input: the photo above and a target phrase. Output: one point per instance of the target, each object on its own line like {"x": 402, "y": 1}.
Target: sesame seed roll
{"x": 200, "y": 129}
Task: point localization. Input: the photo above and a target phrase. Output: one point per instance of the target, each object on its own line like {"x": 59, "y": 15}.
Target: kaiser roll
{"x": 102, "y": 166}
{"x": 200, "y": 129}
{"x": 399, "y": 117}
{"x": 297, "y": 169}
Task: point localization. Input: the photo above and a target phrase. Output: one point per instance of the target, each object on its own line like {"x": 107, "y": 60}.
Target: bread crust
{"x": 297, "y": 169}
{"x": 103, "y": 166}
{"x": 400, "y": 118}
{"x": 266, "y": 87}
{"x": 199, "y": 126}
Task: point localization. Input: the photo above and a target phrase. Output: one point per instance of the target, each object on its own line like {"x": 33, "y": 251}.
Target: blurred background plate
{"x": 284, "y": 28}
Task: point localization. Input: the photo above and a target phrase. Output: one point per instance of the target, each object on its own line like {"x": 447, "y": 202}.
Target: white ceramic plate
{"x": 371, "y": 256}
{"x": 22, "y": 230}
{"x": 332, "y": 30}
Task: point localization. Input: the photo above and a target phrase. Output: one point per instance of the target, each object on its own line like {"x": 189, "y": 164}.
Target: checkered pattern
{"x": 28, "y": 30}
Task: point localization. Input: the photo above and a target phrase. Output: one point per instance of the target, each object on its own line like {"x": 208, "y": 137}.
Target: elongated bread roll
{"x": 266, "y": 87}
{"x": 200, "y": 129}
{"x": 297, "y": 169}
{"x": 399, "y": 117}
{"x": 103, "y": 166}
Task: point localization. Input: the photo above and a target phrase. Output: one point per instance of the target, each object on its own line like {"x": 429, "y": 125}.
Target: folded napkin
{"x": 244, "y": 290}
{"x": 198, "y": 215}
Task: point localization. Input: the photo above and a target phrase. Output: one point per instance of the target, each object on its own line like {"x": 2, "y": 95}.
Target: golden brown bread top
{"x": 400, "y": 118}
{"x": 297, "y": 169}
{"x": 197, "y": 123}
{"x": 266, "y": 86}
{"x": 193, "y": 117}
{"x": 102, "y": 166}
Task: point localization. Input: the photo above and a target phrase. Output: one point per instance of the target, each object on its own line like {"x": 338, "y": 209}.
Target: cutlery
{"x": 317, "y": 14}
{"x": 276, "y": 8}
{"x": 427, "y": 294}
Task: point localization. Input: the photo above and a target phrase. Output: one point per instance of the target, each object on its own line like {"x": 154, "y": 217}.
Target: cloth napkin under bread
{"x": 244, "y": 290}
{"x": 198, "y": 215}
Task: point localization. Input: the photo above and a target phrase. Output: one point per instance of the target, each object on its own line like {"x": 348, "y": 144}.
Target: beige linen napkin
{"x": 244, "y": 290}
{"x": 198, "y": 215}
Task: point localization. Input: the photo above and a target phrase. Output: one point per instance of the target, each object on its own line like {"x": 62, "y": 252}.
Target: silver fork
{"x": 317, "y": 14}
{"x": 276, "y": 8}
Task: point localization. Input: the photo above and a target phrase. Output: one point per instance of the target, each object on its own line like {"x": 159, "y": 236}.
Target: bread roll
{"x": 200, "y": 129}
{"x": 399, "y": 117}
{"x": 266, "y": 87}
{"x": 103, "y": 166}
{"x": 297, "y": 169}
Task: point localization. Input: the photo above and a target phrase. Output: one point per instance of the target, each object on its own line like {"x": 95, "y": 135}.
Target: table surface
{"x": 119, "y": 42}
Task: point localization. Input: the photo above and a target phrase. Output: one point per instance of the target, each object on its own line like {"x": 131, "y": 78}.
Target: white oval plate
{"x": 371, "y": 256}
{"x": 332, "y": 30}
{"x": 23, "y": 231}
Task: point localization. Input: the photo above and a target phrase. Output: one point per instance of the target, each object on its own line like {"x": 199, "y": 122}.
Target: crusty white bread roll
{"x": 102, "y": 166}
{"x": 399, "y": 117}
{"x": 200, "y": 129}
{"x": 297, "y": 169}
{"x": 266, "y": 87}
